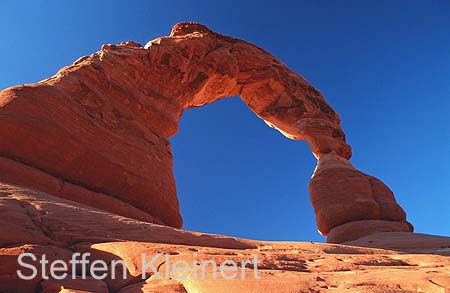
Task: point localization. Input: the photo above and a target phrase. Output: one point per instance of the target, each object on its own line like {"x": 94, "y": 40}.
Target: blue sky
{"x": 383, "y": 65}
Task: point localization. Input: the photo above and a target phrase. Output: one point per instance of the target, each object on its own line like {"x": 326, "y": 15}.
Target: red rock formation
{"x": 59, "y": 228}
{"x": 103, "y": 124}
{"x": 74, "y": 286}
{"x": 349, "y": 204}
{"x": 98, "y": 131}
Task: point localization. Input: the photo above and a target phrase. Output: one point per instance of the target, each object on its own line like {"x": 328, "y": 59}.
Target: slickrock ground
{"x": 36, "y": 222}
{"x": 86, "y": 166}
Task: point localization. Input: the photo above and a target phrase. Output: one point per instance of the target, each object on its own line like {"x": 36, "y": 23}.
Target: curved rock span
{"x": 98, "y": 131}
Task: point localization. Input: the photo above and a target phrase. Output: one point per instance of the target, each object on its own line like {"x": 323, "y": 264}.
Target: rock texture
{"x": 98, "y": 131}
{"x": 58, "y": 228}
{"x": 102, "y": 125}
{"x": 349, "y": 204}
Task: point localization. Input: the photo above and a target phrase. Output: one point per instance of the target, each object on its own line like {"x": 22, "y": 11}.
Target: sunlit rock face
{"x": 98, "y": 131}
{"x": 349, "y": 204}
{"x": 38, "y": 223}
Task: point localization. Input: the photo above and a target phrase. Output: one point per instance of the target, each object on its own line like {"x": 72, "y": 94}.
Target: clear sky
{"x": 383, "y": 65}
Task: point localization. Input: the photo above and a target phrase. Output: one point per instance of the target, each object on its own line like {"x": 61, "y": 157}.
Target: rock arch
{"x": 98, "y": 131}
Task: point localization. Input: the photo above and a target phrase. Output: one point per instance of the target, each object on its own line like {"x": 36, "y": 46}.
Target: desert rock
{"x": 380, "y": 262}
{"x": 86, "y": 167}
{"x": 350, "y": 203}
{"x": 104, "y": 123}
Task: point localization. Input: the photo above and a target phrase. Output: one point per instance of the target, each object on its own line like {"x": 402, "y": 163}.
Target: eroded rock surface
{"x": 349, "y": 204}
{"x": 98, "y": 131}
{"x": 59, "y": 228}
{"x": 100, "y": 128}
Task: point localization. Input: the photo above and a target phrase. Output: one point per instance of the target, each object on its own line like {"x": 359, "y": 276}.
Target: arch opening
{"x": 236, "y": 176}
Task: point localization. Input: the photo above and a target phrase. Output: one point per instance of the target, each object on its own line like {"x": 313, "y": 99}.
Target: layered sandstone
{"x": 100, "y": 128}
{"x": 349, "y": 204}
{"x": 39, "y": 223}
{"x": 98, "y": 131}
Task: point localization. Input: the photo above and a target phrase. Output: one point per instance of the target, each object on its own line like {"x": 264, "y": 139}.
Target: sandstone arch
{"x": 98, "y": 131}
